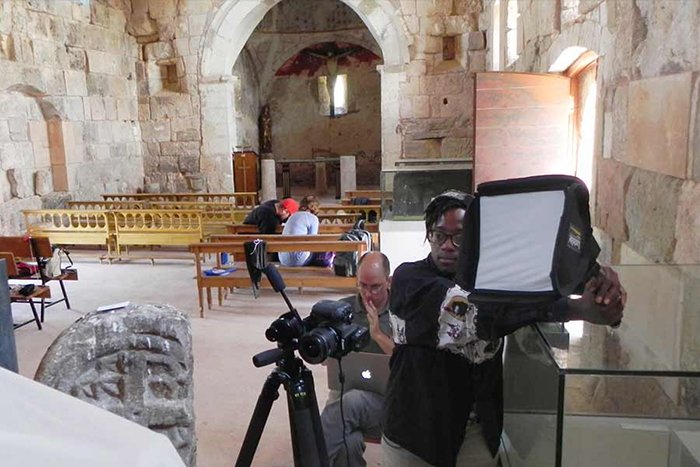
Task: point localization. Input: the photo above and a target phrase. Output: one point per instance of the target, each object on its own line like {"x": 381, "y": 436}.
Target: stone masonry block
{"x": 455, "y": 25}
{"x": 422, "y": 149}
{"x": 456, "y": 148}
{"x": 421, "y": 106}
{"x": 180, "y": 148}
{"x": 476, "y": 40}
{"x": 189, "y": 164}
{"x": 155, "y": 132}
{"x": 158, "y": 51}
{"x": 171, "y": 105}
{"x": 75, "y": 82}
{"x": 651, "y": 223}
{"x": 446, "y": 84}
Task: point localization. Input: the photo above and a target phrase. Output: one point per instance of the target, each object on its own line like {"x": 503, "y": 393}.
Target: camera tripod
{"x": 308, "y": 443}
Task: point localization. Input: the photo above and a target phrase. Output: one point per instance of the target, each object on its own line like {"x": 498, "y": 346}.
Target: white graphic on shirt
{"x": 398, "y": 327}
{"x": 457, "y": 329}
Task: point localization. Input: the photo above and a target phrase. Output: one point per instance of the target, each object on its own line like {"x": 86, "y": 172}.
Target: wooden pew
{"x": 72, "y": 227}
{"x": 338, "y": 218}
{"x": 335, "y": 229}
{"x": 372, "y": 213}
{"x": 241, "y": 200}
{"x": 152, "y": 227}
{"x": 304, "y": 276}
{"x": 106, "y": 205}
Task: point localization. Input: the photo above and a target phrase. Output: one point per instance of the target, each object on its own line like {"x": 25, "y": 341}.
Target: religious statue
{"x": 265, "y": 130}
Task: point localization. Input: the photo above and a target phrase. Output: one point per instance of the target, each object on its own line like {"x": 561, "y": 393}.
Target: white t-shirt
{"x": 299, "y": 223}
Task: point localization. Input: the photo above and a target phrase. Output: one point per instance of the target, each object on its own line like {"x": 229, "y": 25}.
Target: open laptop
{"x": 363, "y": 370}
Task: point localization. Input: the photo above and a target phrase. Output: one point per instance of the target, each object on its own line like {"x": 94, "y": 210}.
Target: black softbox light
{"x": 528, "y": 240}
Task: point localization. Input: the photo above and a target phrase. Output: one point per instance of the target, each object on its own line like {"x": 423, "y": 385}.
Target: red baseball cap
{"x": 290, "y": 205}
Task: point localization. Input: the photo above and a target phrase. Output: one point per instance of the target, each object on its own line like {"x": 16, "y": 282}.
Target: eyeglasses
{"x": 373, "y": 288}
{"x": 438, "y": 237}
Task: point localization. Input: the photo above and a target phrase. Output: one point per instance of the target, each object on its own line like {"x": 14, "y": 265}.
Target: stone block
{"x": 113, "y": 371}
{"x": 16, "y": 155}
{"x": 42, "y": 156}
{"x": 188, "y": 135}
{"x": 97, "y": 108}
{"x": 21, "y": 183}
{"x": 450, "y": 83}
{"x": 189, "y": 164}
{"x": 54, "y": 81}
{"x": 476, "y": 40}
{"x": 4, "y": 131}
{"x": 457, "y": 148}
{"x": 101, "y": 62}
{"x": 455, "y": 25}
{"x": 421, "y": 106}
{"x": 405, "y": 109}
{"x": 110, "y": 108}
{"x": 651, "y": 224}
{"x": 38, "y": 133}
{"x": 75, "y": 83}
{"x": 19, "y": 129}
{"x": 180, "y": 148}
{"x": 408, "y": 7}
{"x": 612, "y": 182}
{"x": 658, "y": 124}
{"x": 43, "y": 184}
{"x": 477, "y": 61}
{"x": 451, "y": 106}
{"x": 168, "y": 164}
{"x": 154, "y": 132}
{"x": 158, "y": 51}
{"x": 171, "y": 105}
{"x": 422, "y": 148}
{"x": 688, "y": 225}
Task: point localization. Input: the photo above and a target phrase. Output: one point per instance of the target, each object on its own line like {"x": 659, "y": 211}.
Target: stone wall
{"x": 68, "y": 113}
{"x": 646, "y": 163}
{"x": 246, "y": 102}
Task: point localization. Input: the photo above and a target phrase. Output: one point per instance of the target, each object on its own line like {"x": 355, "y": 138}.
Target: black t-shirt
{"x": 440, "y": 370}
{"x": 265, "y": 217}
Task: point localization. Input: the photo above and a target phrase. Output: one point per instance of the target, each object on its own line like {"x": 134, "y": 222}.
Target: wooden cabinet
{"x": 246, "y": 171}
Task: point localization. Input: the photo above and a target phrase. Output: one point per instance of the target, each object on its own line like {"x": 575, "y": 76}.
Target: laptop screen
{"x": 363, "y": 370}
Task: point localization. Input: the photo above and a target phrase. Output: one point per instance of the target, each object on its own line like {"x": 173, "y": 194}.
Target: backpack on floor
{"x": 345, "y": 262}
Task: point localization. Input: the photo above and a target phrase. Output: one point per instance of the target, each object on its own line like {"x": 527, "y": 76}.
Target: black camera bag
{"x": 527, "y": 241}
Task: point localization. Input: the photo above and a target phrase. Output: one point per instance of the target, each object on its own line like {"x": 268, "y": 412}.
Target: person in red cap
{"x": 271, "y": 214}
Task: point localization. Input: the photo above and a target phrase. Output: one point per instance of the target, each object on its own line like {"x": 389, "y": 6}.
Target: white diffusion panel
{"x": 516, "y": 241}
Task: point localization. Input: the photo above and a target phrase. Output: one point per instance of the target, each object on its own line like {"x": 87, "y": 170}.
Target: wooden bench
{"x": 241, "y": 200}
{"x": 152, "y": 227}
{"x": 370, "y": 212}
{"x": 106, "y": 205}
{"x": 36, "y": 250}
{"x": 72, "y": 227}
{"x": 301, "y": 277}
{"x": 335, "y": 229}
{"x": 338, "y": 218}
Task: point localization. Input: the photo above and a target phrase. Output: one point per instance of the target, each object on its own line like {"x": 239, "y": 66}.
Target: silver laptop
{"x": 363, "y": 370}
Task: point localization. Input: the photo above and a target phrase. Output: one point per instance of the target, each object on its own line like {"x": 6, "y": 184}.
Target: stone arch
{"x": 235, "y": 21}
{"x": 48, "y": 150}
{"x": 226, "y": 35}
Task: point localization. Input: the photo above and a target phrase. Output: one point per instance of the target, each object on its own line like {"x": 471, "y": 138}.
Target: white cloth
{"x": 299, "y": 223}
{"x": 40, "y": 426}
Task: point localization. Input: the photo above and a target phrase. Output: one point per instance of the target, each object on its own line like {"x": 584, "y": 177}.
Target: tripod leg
{"x": 269, "y": 393}
{"x": 308, "y": 442}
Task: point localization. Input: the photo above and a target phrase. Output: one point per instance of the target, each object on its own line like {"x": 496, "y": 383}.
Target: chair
{"x": 41, "y": 292}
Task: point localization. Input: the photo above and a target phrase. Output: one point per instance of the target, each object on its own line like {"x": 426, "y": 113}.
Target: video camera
{"x": 327, "y": 331}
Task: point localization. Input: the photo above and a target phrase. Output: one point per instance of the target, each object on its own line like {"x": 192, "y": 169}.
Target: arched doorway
{"x": 223, "y": 42}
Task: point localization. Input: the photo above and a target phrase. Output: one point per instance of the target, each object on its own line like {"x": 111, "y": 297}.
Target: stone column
{"x": 218, "y": 133}
{"x": 268, "y": 182}
{"x": 348, "y": 174}
{"x": 391, "y": 79}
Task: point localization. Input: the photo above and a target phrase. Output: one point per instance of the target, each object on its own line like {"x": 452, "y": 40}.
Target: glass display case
{"x": 408, "y": 188}
{"x": 583, "y": 395}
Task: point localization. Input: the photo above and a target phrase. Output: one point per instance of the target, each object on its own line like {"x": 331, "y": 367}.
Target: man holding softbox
{"x": 444, "y": 403}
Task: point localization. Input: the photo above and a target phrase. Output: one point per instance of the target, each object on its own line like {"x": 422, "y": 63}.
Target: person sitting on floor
{"x": 271, "y": 214}
{"x": 303, "y": 222}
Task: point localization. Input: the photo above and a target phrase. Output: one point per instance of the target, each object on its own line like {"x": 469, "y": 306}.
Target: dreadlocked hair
{"x": 441, "y": 204}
